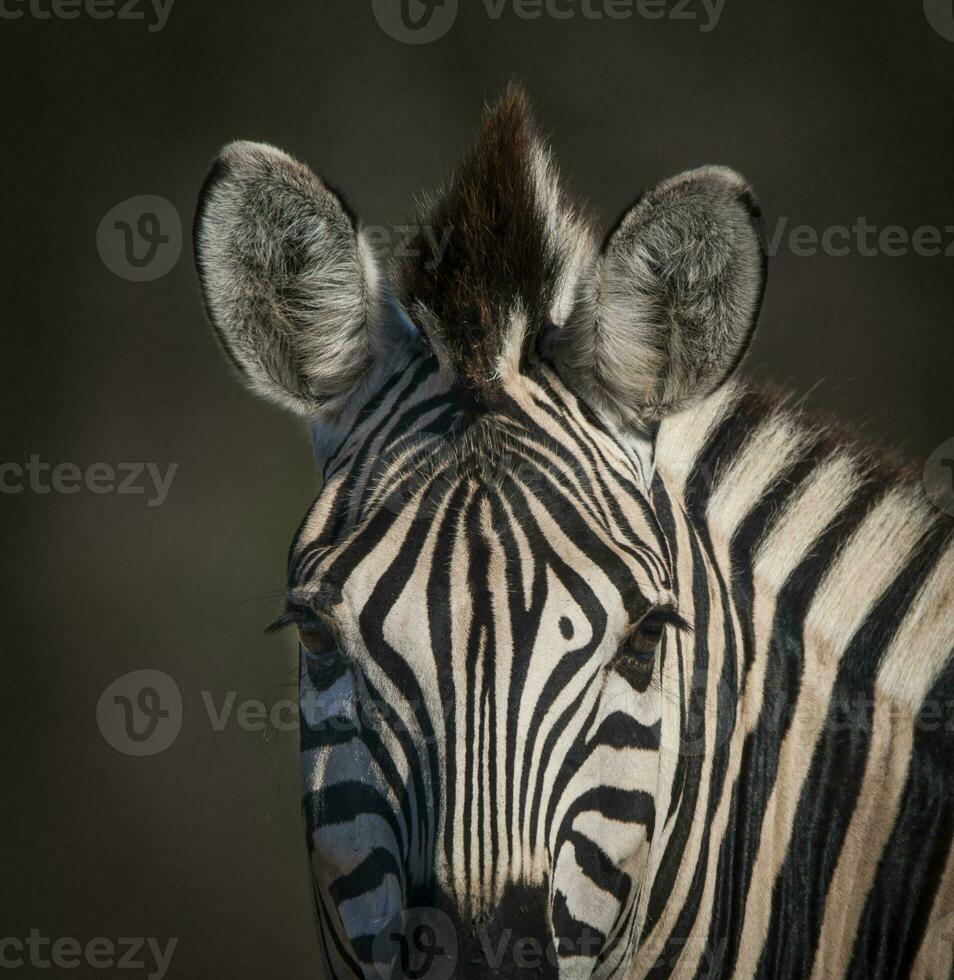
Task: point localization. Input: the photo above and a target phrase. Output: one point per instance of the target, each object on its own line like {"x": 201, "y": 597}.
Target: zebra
{"x": 611, "y": 664}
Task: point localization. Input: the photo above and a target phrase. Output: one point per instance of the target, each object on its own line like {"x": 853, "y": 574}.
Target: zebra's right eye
{"x": 318, "y": 638}
{"x": 644, "y": 639}
{"x": 636, "y": 659}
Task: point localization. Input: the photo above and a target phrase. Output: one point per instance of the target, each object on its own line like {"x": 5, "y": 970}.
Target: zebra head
{"x": 486, "y": 589}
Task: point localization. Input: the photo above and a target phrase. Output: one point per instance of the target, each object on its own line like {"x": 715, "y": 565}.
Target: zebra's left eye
{"x": 317, "y": 637}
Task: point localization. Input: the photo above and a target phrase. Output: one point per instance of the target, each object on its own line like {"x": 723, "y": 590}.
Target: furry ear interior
{"x": 673, "y": 302}
{"x": 290, "y": 286}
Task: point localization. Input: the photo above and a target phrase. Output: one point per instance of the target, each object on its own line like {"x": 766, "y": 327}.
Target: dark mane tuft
{"x": 514, "y": 245}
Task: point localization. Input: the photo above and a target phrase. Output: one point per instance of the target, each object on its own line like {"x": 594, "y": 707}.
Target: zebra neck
{"x": 825, "y": 617}
{"x": 812, "y": 536}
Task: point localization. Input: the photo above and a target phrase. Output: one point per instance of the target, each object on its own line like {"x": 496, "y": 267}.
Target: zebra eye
{"x": 317, "y": 637}
{"x": 643, "y": 641}
{"x": 636, "y": 660}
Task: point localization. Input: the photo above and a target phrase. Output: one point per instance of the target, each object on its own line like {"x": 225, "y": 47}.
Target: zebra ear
{"x": 290, "y": 286}
{"x": 674, "y": 299}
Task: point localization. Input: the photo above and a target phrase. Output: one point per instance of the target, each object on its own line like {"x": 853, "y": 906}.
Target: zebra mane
{"x": 516, "y": 247}
{"x": 769, "y": 481}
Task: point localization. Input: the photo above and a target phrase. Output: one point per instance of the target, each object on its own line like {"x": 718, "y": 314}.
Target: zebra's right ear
{"x": 289, "y": 283}
{"x": 671, "y": 305}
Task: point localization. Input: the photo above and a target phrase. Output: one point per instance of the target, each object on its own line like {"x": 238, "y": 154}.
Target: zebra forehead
{"x": 503, "y": 511}
{"x": 535, "y": 474}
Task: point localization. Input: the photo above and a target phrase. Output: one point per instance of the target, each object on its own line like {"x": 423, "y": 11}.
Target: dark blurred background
{"x": 835, "y": 112}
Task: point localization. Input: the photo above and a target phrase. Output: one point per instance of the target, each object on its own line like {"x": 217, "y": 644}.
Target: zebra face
{"x": 484, "y": 639}
{"x": 493, "y": 636}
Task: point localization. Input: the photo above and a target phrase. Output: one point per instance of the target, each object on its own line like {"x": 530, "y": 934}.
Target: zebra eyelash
{"x": 304, "y": 609}
{"x": 664, "y": 616}
{"x": 283, "y": 622}
{"x": 295, "y": 615}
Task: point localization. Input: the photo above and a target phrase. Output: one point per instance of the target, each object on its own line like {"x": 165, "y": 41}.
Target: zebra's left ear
{"x": 673, "y": 301}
